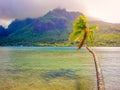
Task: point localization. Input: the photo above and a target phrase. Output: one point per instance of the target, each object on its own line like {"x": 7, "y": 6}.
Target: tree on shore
{"x": 84, "y": 33}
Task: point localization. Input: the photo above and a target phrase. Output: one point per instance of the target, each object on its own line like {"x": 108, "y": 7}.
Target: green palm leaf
{"x": 94, "y": 27}
{"x": 80, "y": 23}
{"x": 91, "y": 34}
{"x": 79, "y": 26}
{"x": 91, "y": 37}
{"x": 76, "y": 35}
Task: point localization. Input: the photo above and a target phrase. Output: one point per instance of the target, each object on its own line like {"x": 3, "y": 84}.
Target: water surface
{"x": 56, "y": 68}
{"x": 110, "y": 62}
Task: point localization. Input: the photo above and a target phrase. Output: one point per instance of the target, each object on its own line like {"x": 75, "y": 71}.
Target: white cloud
{"x": 34, "y": 8}
{"x": 20, "y": 9}
{"x": 107, "y": 10}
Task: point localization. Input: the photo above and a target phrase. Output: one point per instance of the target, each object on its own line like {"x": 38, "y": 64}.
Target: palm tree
{"x": 83, "y": 32}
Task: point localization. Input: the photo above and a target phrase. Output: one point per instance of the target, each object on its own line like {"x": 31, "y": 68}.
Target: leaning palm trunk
{"x": 84, "y": 38}
{"x": 100, "y": 80}
{"x": 81, "y": 24}
{"x": 99, "y": 75}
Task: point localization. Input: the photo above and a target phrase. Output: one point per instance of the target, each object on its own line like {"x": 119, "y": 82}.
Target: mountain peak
{"x": 54, "y": 27}
{"x": 59, "y": 10}
{"x": 63, "y": 13}
{"x": 1, "y": 27}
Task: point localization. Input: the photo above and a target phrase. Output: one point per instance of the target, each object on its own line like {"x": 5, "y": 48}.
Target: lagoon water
{"x": 109, "y": 58}
{"x": 110, "y": 61}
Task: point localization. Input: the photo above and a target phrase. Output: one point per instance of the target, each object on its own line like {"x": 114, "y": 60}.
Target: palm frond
{"x": 94, "y": 27}
{"x": 79, "y": 38}
{"x": 90, "y": 37}
{"x": 75, "y": 34}
{"x": 78, "y": 28}
{"x": 80, "y": 23}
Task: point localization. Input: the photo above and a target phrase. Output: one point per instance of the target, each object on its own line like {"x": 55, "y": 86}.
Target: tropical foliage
{"x": 80, "y": 27}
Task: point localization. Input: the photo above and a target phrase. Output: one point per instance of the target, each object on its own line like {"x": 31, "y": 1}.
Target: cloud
{"x": 106, "y": 10}
{"x": 5, "y": 22}
{"x": 21, "y": 9}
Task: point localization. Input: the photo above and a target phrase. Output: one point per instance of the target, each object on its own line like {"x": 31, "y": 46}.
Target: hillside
{"x": 54, "y": 27}
{"x": 107, "y": 35}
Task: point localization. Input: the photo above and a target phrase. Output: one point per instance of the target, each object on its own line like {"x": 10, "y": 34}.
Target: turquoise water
{"x": 40, "y": 48}
{"x": 22, "y": 59}
{"x": 45, "y": 68}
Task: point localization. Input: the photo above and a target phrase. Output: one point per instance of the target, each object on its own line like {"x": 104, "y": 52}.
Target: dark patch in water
{"x": 14, "y": 71}
{"x": 67, "y": 73}
{"x": 60, "y": 73}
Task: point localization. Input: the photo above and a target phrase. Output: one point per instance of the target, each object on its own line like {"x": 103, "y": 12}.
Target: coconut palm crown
{"x": 82, "y": 31}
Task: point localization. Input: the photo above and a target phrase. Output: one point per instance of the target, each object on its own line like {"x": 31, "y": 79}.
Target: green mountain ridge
{"x": 53, "y": 29}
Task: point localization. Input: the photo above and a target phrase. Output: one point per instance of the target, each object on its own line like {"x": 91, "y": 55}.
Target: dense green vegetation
{"x": 46, "y": 70}
{"x": 110, "y": 39}
{"x": 54, "y": 27}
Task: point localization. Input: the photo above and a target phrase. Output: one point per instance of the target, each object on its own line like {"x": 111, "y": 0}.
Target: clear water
{"x": 109, "y": 58}
{"x": 110, "y": 61}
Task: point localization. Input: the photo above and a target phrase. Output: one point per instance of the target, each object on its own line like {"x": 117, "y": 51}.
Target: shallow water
{"x": 110, "y": 62}
{"x": 109, "y": 58}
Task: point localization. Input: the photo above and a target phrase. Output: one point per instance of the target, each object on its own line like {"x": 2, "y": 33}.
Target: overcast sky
{"x": 107, "y": 10}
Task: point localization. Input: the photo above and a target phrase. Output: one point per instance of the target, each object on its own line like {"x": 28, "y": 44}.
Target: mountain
{"x": 3, "y": 32}
{"x": 107, "y": 35}
{"x": 54, "y": 27}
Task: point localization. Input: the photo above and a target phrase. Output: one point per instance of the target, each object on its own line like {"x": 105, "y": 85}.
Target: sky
{"x": 106, "y": 10}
